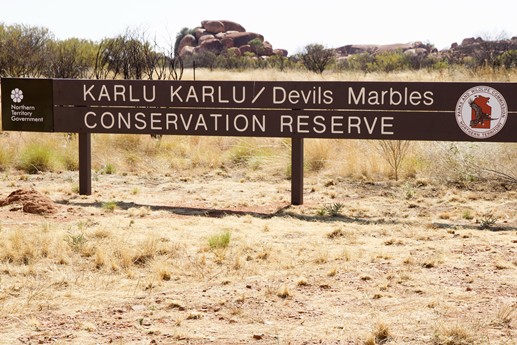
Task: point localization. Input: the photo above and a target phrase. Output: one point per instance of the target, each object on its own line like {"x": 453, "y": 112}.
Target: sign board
{"x": 27, "y": 105}
{"x": 348, "y": 110}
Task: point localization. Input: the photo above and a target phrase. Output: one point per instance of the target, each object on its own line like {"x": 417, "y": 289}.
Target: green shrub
{"x": 361, "y": 62}
{"x": 257, "y": 45}
{"x": 221, "y": 241}
{"x": 109, "y": 206}
{"x": 333, "y": 209}
{"x": 108, "y": 169}
{"x": 391, "y": 61}
{"x": 35, "y": 158}
{"x": 507, "y": 59}
{"x": 70, "y": 159}
{"x": 316, "y": 58}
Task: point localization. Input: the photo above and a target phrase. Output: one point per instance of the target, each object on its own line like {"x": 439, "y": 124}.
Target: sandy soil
{"x": 401, "y": 263}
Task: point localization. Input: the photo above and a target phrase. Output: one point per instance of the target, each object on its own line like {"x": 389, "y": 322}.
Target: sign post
{"x": 485, "y": 112}
{"x": 85, "y": 164}
{"x": 297, "y": 171}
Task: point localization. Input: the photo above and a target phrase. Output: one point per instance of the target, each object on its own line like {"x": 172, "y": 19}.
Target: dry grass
{"x": 333, "y": 275}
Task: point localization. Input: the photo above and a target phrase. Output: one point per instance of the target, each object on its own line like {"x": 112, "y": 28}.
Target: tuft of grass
{"x": 317, "y": 154}
{"x": 108, "y": 169}
{"x": 487, "y": 220}
{"x": 453, "y": 335}
{"x": 409, "y": 191}
{"x": 69, "y": 159}
{"x": 146, "y": 252}
{"x": 76, "y": 241}
{"x": 5, "y": 158}
{"x": 283, "y": 292}
{"x": 467, "y": 214}
{"x": 100, "y": 258}
{"x": 333, "y": 209}
{"x": 505, "y": 315}
{"x": 380, "y": 335}
{"x": 220, "y": 241}
{"x": 336, "y": 233}
{"x": 75, "y": 189}
{"x": 302, "y": 281}
{"x": 35, "y": 158}
{"x": 109, "y": 206}
{"x": 162, "y": 270}
{"x": 332, "y": 272}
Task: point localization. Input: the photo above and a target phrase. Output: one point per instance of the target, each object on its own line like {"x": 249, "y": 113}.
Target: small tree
{"x": 315, "y": 57}
{"x": 23, "y": 50}
{"x": 71, "y": 58}
{"x": 394, "y": 152}
{"x": 391, "y": 61}
{"x": 130, "y": 56}
{"x": 362, "y": 61}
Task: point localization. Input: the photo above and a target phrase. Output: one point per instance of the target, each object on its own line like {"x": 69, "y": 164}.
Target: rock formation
{"x": 231, "y": 39}
{"x": 413, "y": 48}
{"x": 226, "y": 37}
{"x": 479, "y": 48}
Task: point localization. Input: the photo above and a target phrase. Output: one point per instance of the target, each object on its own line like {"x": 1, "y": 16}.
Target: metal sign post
{"x": 85, "y": 164}
{"x": 297, "y": 171}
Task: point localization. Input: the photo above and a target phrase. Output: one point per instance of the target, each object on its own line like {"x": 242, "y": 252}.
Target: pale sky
{"x": 285, "y": 24}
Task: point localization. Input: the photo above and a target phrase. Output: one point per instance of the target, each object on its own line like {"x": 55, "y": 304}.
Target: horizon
{"x": 441, "y": 24}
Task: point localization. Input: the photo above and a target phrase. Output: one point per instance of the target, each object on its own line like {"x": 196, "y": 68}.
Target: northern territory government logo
{"x": 17, "y": 95}
{"x": 481, "y": 112}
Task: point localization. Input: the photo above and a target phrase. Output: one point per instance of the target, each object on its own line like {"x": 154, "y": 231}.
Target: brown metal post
{"x": 85, "y": 164}
{"x": 296, "y": 171}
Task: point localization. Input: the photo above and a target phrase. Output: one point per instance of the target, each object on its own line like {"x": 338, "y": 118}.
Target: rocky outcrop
{"x": 413, "y": 48}
{"x": 479, "y": 48}
{"x": 226, "y": 37}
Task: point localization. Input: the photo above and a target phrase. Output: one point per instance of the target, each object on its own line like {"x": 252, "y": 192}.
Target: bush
{"x": 35, "y": 158}
{"x": 23, "y": 50}
{"x": 72, "y": 58}
{"x": 391, "y": 61}
{"x": 69, "y": 158}
{"x": 221, "y": 241}
{"x": 315, "y": 57}
{"x": 507, "y": 59}
{"x": 257, "y": 46}
{"x": 394, "y": 152}
{"x": 362, "y": 62}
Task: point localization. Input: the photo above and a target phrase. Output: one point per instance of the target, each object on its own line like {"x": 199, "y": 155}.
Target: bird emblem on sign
{"x": 481, "y": 112}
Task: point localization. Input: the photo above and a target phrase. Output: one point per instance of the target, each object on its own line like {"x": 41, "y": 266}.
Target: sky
{"x": 285, "y": 24}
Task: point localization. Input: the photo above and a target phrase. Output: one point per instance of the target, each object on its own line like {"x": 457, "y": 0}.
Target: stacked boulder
{"x": 226, "y": 37}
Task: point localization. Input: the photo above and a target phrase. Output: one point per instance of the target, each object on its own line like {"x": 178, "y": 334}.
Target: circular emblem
{"x": 17, "y": 95}
{"x": 481, "y": 112}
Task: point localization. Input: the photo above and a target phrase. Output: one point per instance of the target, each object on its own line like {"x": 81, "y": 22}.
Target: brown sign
{"x": 355, "y": 110}
{"x": 409, "y": 96}
{"x": 27, "y": 105}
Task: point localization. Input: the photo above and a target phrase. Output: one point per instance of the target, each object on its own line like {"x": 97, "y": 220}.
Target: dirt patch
{"x": 410, "y": 262}
{"x": 31, "y": 201}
